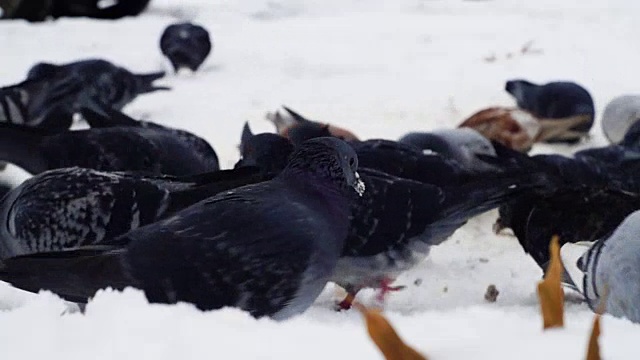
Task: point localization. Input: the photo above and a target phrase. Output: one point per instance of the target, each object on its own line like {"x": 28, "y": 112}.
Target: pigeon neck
{"x": 326, "y": 193}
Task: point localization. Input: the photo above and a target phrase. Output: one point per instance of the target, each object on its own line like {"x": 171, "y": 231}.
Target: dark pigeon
{"x": 186, "y": 45}
{"x": 572, "y": 202}
{"x": 67, "y": 208}
{"x": 269, "y": 152}
{"x": 234, "y": 249}
{"x": 98, "y": 9}
{"x": 120, "y": 148}
{"x": 398, "y": 219}
{"x": 555, "y": 100}
{"x": 98, "y": 83}
{"x": 106, "y": 118}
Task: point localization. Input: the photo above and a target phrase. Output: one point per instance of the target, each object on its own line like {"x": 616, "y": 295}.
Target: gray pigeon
{"x": 609, "y": 269}
{"x": 268, "y": 248}
{"x": 619, "y": 116}
{"x": 461, "y": 145}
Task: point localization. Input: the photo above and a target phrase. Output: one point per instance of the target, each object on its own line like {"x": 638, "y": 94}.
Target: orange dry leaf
{"x": 386, "y": 338}
{"x": 550, "y": 291}
{"x": 593, "y": 351}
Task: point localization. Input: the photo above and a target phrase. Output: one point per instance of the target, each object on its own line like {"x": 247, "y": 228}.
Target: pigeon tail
{"x": 75, "y": 275}
{"x": 145, "y": 82}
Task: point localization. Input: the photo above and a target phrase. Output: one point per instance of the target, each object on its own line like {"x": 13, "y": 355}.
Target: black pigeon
{"x": 555, "y": 100}
{"x": 120, "y": 148}
{"x": 98, "y": 83}
{"x": 106, "y": 118}
{"x": 237, "y": 248}
{"x": 67, "y": 208}
{"x": 584, "y": 198}
{"x": 395, "y": 223}
{"x": 186, "y": 45}
{"x": 98, "y": 9}
{"x": 269, "y": 152}
{"x": 397, "y": 220}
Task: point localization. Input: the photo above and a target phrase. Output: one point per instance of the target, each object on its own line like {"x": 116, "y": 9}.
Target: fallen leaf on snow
{"x": 385, "y": 337}
{"x": 550, "y": 290}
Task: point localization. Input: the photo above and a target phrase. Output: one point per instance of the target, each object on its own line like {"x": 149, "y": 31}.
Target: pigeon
{"x": 571, "y": 202}
{"x": 268, "y": 248}
{"x": 98, "y": 9}
{"x": 607, "y": 271}
{"x": 38, "y": 103}
{"x": 619, "y": 116}
{"x": 186, "y": 45}
{"x": 99, "y": 83}
{"x": 66, "y": 208}
{"x": 269, "y": 152}
{"x": 396, "y": 221}
{"x": 106, "y": 117}
{"x": 33, "y": 11}
{"x": 555, "y": 100}
{"x": 120, "y": 148}
{"x": 460, "y": 145}
{"x": 631, "y": 139}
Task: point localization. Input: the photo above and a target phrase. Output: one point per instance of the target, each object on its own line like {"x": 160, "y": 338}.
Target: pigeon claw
{"x": 346, "y": 303}
{"x": 385, "y": 288}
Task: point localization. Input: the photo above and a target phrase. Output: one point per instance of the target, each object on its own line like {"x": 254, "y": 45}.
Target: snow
{"x": 380, "y": 69}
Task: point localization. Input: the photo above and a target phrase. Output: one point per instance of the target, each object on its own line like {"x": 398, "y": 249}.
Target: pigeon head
{"x": 302, "y": 132}
{"x": 42, "y": 70}
{"x": 327, "y": 159}
{"x": 185, "y": 45}
{"x": 520, "y": 90}
{"x": 269, "y": 152}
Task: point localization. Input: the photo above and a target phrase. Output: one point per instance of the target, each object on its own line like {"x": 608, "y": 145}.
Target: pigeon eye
{"x": 352, "y": 162}
{"x": 580, "y": 264}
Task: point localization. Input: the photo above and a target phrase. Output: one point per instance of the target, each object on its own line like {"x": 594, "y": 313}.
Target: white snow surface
{"x": 380, "y": 69}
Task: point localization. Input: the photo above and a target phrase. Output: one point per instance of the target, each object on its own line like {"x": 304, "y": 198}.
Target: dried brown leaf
{"x": 593, "y": 350}
{"x": 385, "y": 337}
{"x": 550, "y": 289}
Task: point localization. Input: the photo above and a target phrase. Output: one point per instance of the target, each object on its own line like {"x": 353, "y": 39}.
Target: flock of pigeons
{"x": 135, "y": 203}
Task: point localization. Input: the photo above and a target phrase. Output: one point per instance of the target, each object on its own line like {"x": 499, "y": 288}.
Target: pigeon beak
{"x": 358, "y": 185}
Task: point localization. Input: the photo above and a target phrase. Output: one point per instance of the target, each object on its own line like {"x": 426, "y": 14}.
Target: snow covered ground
{"x": 381, "y": 69}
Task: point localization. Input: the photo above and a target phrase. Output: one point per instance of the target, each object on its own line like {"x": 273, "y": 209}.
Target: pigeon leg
{"x": 348, "y": 299}
{"x": 385, "y": 288}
